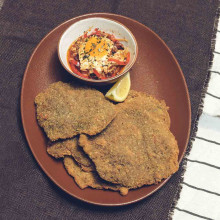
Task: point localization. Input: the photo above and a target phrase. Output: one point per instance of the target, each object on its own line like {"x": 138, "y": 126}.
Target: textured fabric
{"x": 201, "y": 182}
{"x": 200, "y": 194}
{"x": 212, "y": 99}
{"x": 26, "y": 192}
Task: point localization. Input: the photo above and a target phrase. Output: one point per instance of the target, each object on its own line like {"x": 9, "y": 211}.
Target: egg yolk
{"x": 97, "y": 47}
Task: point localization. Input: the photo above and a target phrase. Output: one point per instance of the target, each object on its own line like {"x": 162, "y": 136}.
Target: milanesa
{"x": 80, "y": 167}
{"x": 70, "y": 147}
{"x": 89, "y": 179}
{"x": 137, "y": 148}
{"x": 66, "y": 109}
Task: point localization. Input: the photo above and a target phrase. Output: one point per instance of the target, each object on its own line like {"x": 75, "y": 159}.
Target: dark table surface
{"x": 25, "y": 191}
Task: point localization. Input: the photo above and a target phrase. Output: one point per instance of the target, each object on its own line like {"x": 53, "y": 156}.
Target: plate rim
{"x": 25, "y": 129}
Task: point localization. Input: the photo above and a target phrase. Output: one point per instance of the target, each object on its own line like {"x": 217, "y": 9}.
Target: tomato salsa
{"x": 97, "y": 55}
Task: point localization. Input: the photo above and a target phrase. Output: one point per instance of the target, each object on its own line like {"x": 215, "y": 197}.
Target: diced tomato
{"x": 128, "y": 57}
{"x": 75, "y": 70}
{"x": 122, "y": 63}
{"x": 117, "y": 61}
{"x": 112, "y": 37}
{"x": 98, "y": 74}
{"x": 73, "y": 61}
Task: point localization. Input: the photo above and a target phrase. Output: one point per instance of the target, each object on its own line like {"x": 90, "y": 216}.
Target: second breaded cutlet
{"x": 137, "y": 148}
{"x": 70, "y": 147}
{"x": 89, "y": 179}
{"x": 157, "y": 109}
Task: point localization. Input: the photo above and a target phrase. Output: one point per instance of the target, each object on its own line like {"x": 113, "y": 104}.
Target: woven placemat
{"x": 199, "y": 113}
{"x": 26, "y": 192}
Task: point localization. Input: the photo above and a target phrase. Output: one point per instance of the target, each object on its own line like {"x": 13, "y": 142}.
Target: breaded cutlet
{"x": 67, "y": 109}
{"x": 137, "y": 148}
{"x": 70, "y": 147}
{"x": 89, "y": 179}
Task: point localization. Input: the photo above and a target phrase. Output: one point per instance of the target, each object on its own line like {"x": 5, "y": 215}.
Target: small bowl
{"x": 106, "y": 25}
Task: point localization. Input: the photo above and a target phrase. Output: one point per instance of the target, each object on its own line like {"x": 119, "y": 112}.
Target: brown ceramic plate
{"x": 155, "y": 72}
